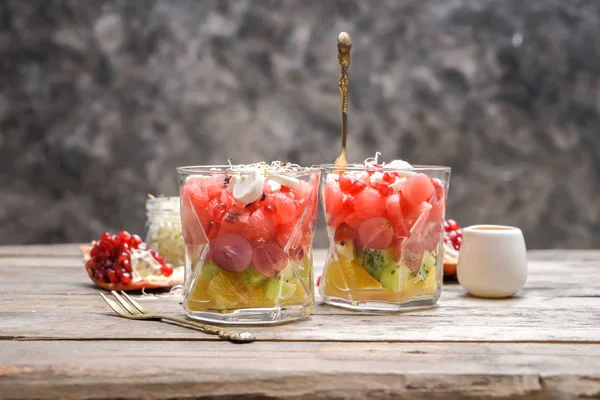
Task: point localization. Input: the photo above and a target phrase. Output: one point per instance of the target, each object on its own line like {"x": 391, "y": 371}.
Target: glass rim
{"x": 362, "y": 167}
{"x": 212, "y": 169}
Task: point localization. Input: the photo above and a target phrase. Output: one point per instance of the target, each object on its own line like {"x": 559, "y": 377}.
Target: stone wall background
{"x": 101, "y": 100}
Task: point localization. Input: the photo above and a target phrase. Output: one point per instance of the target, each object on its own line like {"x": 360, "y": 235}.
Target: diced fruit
{"x": 287, "y": 274}
{"x": 254, "y": 278}
{"x": 344, "y": 232}
{"x": 334, "y": 198}
{"x": 420, "y": 219}
{"x": 209, "y": 270}
{"x": 343, "y": 276}
{"x": 231, "y": 252}
{"x": 431, "y": 236}
{"x": 412, "y": 252}
{"x": 369, "y": 203}
{"x": 417, "y": 189}
{"x": 345, "y": 250}
{"x": 374, "y": 261}
{"x": 276, "y": 289}
{"x": 234, "y": 220}
{"x": 394, "y": 213}
{"x": 228, "y": 290}
{"x": 428, "y": 260}
{"x": 259, "y": 229}
{"x": 285, "y": 210}
{"x": 289, "y": 235}
{"x": 269, "y": 259}
{"x": 353, "y": 220}
{"x": 395, "y": 277}
{"x": 437, "y": 202}
{"x": 376, "y": 233}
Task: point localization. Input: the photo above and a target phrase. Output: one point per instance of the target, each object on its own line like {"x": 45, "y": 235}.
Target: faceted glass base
{"x": 253, "y": 316}
{"x": 416, "y": 303}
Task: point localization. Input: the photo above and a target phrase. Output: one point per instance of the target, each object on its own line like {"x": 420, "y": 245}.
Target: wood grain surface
{"x": 59, "y": 340}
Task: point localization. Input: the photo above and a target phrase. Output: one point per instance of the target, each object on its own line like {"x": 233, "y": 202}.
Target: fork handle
{"x": 212, "y": 330}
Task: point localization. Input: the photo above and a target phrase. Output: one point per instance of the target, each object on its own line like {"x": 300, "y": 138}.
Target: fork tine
{"x": 134, "y": 303}
{"x": 124, "y": 303}
{"x": 116, "y": 308}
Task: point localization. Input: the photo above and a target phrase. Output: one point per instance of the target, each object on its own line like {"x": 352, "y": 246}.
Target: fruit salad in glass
{"x": 384, "y": 223}
{"x": 248, "y": 233}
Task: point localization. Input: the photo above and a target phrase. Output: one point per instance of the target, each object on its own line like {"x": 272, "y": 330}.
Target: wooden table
{"x": 60, "y": 340}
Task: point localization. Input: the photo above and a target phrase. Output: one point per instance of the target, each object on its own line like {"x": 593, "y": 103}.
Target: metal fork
{"x": 133, "y": 310}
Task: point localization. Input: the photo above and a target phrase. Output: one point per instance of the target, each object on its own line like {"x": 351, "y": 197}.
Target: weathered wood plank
{"x": 41, "y": 250}
{"x": 297, "y": 370}
{"x": 440, "y": 324}
{"x": 61, "y": 275}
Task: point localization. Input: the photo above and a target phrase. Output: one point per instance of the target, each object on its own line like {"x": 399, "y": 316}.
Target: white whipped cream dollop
{"x": 247, "y": 187}
{"x": 284, "y": 180}
{"x": 400, "y": 164}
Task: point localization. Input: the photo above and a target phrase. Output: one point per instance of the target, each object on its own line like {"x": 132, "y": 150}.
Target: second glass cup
{"x": 248, "y": 262}
{"x": 385, "y": 232}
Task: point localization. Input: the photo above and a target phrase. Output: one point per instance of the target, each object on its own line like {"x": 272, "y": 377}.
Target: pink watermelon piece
{"x": 334, "y": 198}
{"x": 369, "y": 203}
{"x": 259, "y": 229}
{"x": 417, "y": 189}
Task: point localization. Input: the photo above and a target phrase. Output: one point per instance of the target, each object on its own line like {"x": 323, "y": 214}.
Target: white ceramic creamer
{"x": 492, "y": 261}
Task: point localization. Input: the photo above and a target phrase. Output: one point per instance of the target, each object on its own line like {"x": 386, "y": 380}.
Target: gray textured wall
{"x": 101, "y": 100}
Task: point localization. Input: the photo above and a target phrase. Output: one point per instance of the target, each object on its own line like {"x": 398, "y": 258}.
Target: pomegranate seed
{"x": 118, "y": 272}
{"x": 126, "y": 265}
{"x": 94, "y": 251}
{"x": 126, "y": 278}
{"x": 452, "y": 224}
{"x": 384, "y": 189}
{"x": 357, "y": 187}
{"x": 135, "y": 241}
{"x": 345, "y": 183}
{"x": 318, "y": 281}
{"x": 105, "y": 237}
{"x": 166, "y": 270}
{"x": 452, "y": 233}
{"x": 219, "y": 212}
{"x": 90, "y": 264}
{"x": 158, "y": 257}
{"x": 112, "y": 276}
{"x": 125, "y": 236}
{"x": 388, "y": 177}
{"x": 212, "y": 230}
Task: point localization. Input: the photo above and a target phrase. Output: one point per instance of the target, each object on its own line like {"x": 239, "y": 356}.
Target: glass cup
{"x": 385, "y": 232}
{"x": 163, "y": 229}
{"x": 248, "y": 263}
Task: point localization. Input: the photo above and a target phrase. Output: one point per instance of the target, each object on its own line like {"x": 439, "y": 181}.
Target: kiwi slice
{"x": 427, "y": 264}
{"x": 374, "y": 261}
{"x": 276, "y": 289}
{"x": 395, "y": 277}
{"x": 253, "y": 278}
{"x": 209, "y": 270}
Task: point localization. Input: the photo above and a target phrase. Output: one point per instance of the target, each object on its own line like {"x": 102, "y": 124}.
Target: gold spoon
{"x": 344, "y": 46}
